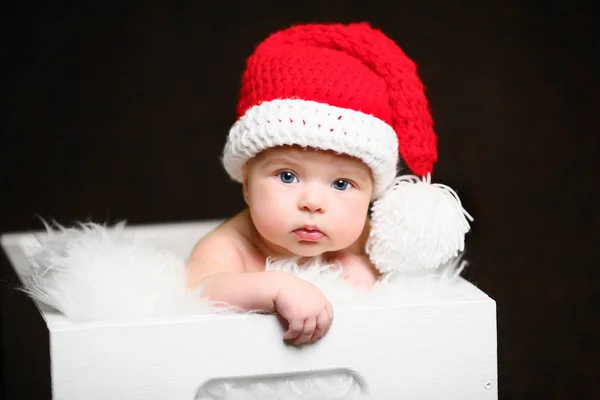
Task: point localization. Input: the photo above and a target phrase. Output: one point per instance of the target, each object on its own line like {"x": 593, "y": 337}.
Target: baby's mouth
{"x": 309, "y": 233}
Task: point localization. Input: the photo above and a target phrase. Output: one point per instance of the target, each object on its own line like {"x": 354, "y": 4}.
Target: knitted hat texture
{"x": 344, "y": 88}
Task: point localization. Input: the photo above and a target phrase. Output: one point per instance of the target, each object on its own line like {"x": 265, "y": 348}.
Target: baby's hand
{"x": 358, "y": 271}
{"x": 306, "y": 309}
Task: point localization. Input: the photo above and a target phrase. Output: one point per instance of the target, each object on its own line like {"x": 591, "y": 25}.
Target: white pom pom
{"x": 416, "y": 225}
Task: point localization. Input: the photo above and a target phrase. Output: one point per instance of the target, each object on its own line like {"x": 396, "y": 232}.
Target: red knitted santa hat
{"x": 346, "y": 88}
{"x": 352, "y": 90}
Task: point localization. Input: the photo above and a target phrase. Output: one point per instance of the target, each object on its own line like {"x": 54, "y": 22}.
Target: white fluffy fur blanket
{"x": 92, "y": 272}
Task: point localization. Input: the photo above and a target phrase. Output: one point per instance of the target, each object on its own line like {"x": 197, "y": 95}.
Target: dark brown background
{"x": 120, "y": 112}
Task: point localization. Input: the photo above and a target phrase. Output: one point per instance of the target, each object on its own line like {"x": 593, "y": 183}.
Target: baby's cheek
{"x": 264, "y": 204}
{"x": 266, "y": 220}
{"x": 269, "y": 218}
{"x": 350, "y": 225}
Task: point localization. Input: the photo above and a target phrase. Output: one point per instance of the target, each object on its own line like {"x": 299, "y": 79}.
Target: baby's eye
{"x": 287, "y": 177}
{"x": 340, "y": 184}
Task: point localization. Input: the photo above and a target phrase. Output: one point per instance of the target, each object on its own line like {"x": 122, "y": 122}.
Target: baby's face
{"x": 307, "y": 202}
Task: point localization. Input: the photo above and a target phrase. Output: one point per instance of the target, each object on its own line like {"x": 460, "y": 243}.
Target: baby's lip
{"x": 310, "y": 227}
{"x": 310, "y": 233}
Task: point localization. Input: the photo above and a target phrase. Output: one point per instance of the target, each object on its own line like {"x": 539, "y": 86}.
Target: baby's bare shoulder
{"x": 226, "y": 241}
{"x": 225, "y": 249}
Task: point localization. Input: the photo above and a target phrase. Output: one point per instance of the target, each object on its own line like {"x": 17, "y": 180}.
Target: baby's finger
{"x": 323, "y": 323}
{"x": 309, "y": 328}
{"x": 294, "y": 329}
{"x": 329, "y": 309}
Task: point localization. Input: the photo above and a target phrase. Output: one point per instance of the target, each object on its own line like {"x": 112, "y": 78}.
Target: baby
{"x": 301, "y": 203}
{"x": 324, "y": 112}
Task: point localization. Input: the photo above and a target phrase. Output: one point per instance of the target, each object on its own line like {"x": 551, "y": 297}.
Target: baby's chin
{"x": 310, "y": 249}
{"x": 306, "y": 253}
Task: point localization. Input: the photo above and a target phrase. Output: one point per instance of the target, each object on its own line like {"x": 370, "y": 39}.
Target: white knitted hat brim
{"x": 317, "y": 125}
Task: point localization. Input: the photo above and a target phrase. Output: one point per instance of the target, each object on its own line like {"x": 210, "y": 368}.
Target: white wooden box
{"x": 417, "y": 351}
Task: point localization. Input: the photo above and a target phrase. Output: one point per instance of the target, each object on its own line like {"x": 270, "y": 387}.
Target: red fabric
{"x": 351, "y": 66}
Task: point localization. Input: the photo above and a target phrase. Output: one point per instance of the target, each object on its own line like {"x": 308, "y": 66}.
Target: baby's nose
{"x": 312, "y": 200}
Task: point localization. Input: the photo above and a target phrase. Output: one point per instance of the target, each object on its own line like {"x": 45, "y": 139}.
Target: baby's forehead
{"x": 300, "y": 153}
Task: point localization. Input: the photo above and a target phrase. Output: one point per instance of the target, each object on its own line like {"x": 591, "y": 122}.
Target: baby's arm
{"x": 358, "y": 271}
{"x": 217, "y": 262}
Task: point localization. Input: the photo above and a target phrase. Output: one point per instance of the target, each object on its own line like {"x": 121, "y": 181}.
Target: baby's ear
{"x": 245, "y": 183}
